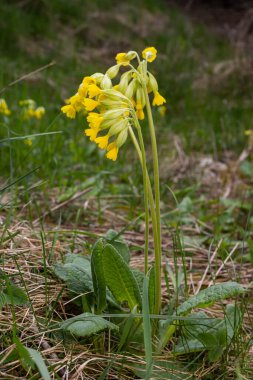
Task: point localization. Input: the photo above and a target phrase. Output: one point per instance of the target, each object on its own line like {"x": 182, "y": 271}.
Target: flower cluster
{"x": 4, "y": 109}
{"x": 30, "y": 110}
{"x": 112, "y": 108}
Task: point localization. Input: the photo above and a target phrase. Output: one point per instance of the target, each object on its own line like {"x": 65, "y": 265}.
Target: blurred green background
{"x": 202, "y": 75}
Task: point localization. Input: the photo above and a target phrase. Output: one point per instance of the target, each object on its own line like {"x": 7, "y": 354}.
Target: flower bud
{"x": 98, "y": 77}
{"x": 106, "y": 83}
{"x": 118, "y": 127}
{"x": 112, "y": 72}
{"x": 121, "y": 139}
{"x": 130, "y": 91}
{"x": 152, "y": 82}
{"x": 123, "y": 84}
{"x": 131, "y": 55}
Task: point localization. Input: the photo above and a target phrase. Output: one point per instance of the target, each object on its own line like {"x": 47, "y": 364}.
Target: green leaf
{"x": 119, "y": 243}
{"x": 204, "y": 298}
{"x": 98, "y": 275}
{"x": 38, "y": 360}
{"x": 211, "y": 295}
{"x": 119, "y": 278}
{"x": 139, "y": 276}
{"x": 12, "y": 295}
{"x": 76, "y": 272}
{"x": 86, "y": 324}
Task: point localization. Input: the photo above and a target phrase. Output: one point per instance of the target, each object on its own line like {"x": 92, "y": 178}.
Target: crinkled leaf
{"x": 139, "y": 276}
{"x": 119, "y": 278}
{"x": 86, "y": 324}
{"x": 98, "y": 278}
{"x": 76, "y": 272}
{"x": 211, "y": 295}
{"x": 119, "y": 243}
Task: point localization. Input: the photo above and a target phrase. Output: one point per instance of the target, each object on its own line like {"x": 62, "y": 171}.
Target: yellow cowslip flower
{"x": 158, "y": 99}
{"x": 94, "y": 119}
{"x": 4, "y": 109}
{"x": 69, "y": 110}
{"x": 91, "y": 133}
{"x": 162, "y": 110}
{"x": 102, "y": 141}
{"x": 88, "y": 80}
{"x": 39, "y": 112}
{"x": 149, "y": 54}
{"x": 93, "y": 90}
{"x": 90, "y": 104}
{"x": 121, "y": 58}
{"x": 139, "y": 111}
{"x": 82, "y": 90}
{"x": 28, "y": 142}
{"x": 113, "y": 150}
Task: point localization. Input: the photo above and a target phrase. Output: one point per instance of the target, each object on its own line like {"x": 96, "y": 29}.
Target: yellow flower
{"x": 149, "y": 54}
{"x": 93, "y": 90}
{"x": 91, "y": 133}
{"x": 121, "y": 58}
{"x": 88, "y": 80}
{"x": 139, "y": 112}
{"x": 69, "y": 110}
{"x": 90, "y": 104}
{"x": 158, "y": 99}
{"x": 82, "y": 90}
{"x": 113, "y": 150}
{"x": 28, "y": 142}
{"x": 94, "y": 119}
{"x": 4, "y": 108}
{"x": 162, "y": 110}
{"x": 102, "y": 141}
{"x": 39, "y": 112}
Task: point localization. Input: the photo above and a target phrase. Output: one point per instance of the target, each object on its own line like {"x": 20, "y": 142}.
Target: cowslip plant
{"x": 114, "y": 105}
{"x": 119, "y": 107}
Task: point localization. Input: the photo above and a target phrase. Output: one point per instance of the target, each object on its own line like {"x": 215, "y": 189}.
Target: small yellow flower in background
{"x": 69, "y": 110}
{"x": 162, "y": 110}
{"x": 149, "y": 54}
{"x": 4, "y": 109}
{"x": 28, "y": 142}
{"x": 158, "y": 99}
{"x": 30, "y": 110}
{"x": 39, "y": 112}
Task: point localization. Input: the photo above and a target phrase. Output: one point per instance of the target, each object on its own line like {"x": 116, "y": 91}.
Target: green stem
{"x": 145, "y": 184}
{"x": 154, "y": 225}
{"x": 157, "y": 191}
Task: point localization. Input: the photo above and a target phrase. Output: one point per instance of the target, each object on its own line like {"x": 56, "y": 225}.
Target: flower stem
{"x": 145, "y": 184}
{"x": 157, "y": 198}
{"x": 154, "y": 225}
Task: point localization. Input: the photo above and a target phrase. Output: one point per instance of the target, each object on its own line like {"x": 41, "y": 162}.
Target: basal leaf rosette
{"x": 112, "y": 108}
